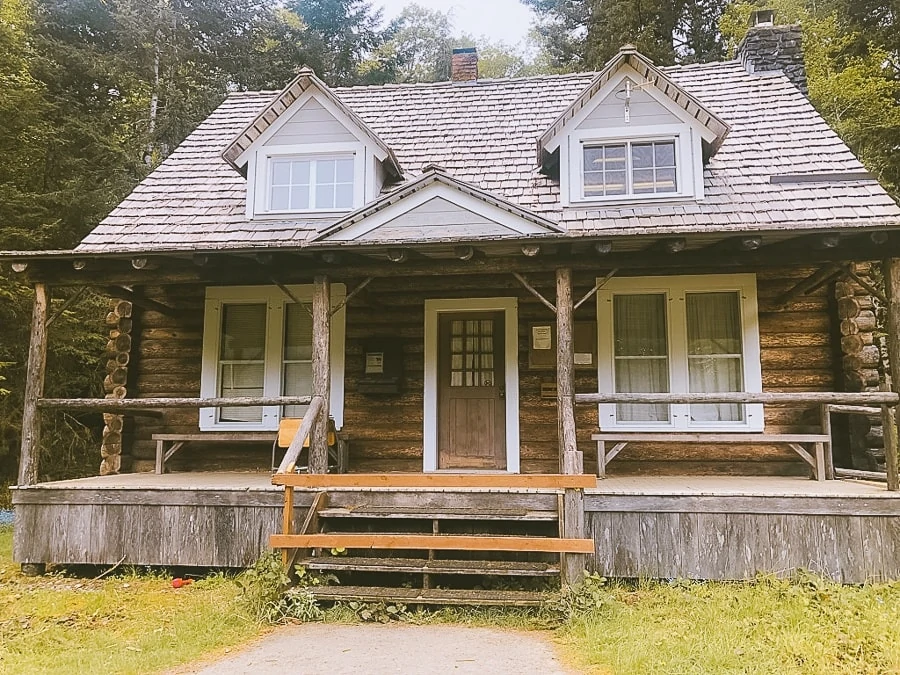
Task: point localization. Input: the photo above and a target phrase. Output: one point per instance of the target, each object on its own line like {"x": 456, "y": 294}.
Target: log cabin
{"x": 620, "y": 316}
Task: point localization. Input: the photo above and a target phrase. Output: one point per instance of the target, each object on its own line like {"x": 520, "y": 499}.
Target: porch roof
{"x": 780, "y": 167}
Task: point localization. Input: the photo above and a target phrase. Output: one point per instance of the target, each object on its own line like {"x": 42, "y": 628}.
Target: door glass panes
{"x": 296, "y": 377}
{"x": 242, "y": 358}
{"x": 472, "y": 353}
{"x": 653, "y": 167}
{"x": 605, "y": 170}
{"x": 641, "y": 354}
{"x": 715, "y": 352}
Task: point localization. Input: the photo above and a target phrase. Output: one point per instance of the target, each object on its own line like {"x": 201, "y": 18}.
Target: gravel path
{"x": 377, "y": 649}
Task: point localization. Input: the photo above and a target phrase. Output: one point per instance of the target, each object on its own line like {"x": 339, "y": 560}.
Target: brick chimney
{"x": 464, "y": 65}
{"x": 768, "y": 47}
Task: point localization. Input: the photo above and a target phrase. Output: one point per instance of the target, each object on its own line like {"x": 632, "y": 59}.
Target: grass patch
{"x": 129, "y": 623}
{"x": 137, "y": 623}
{"x": 806, "y": 625}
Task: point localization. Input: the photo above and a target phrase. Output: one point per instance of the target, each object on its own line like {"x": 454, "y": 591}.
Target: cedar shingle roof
{"x": 484, "y": 133}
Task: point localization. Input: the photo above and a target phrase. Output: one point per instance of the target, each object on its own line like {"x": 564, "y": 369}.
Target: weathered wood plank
{"x": 711, "y": 544}
{"x": 626, "y": 542}
{"x": 321, "y": 374}
{"x": 812, "y": 505}
{"x": 437, "y": 480}
{"x": 432, "y": 542}
{"x": 689, "y": 525}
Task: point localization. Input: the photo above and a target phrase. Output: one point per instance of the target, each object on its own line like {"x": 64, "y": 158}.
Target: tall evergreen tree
{"x": 341, "y": 35}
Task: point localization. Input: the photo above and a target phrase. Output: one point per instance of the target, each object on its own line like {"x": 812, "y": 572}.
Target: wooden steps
{"x": 418, "y": 513}
{"x": 435, "y": 567}
{"x": 430, "y": 596}
{"x": 433, "y": 542}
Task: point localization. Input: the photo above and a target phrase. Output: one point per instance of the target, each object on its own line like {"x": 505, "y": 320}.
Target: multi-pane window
{"x": 629, "y": 168}
{"x": 641, "y": 353}
{"x": 715, "y": 352}
{"x": 258, "y": 342}
{"x": 306, "y": 184}
{"x": 674, "y": 336}
{"x": 297, "y": 362}
{"x": 242, "y": 357}
{"x": 472, "y": 353}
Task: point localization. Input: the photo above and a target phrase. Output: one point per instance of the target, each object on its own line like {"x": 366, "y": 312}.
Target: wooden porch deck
{"x": 708, "y": 527}
{"x": 760, "y": 486}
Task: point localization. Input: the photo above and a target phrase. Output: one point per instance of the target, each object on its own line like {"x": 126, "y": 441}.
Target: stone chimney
{"x": 464, "y": 65}
{"x": 768, "y": 47}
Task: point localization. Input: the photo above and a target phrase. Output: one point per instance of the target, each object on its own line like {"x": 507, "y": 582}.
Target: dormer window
{"x": 604, "y": 166}
{"x": 311, "y": 183}
{"x": 617, "y": 169}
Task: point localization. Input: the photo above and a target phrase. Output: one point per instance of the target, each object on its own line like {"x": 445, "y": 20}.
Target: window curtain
{"x": 715, "y": 352}
{"x": 242, "y": 356}
{"x": 641, "y": 354}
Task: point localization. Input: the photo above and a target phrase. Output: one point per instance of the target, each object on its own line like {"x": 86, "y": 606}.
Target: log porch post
{"x": 29, "y": 459}
{"x": 321, "y": 372}
{"x": 891, "y": 272}
{"x": 571, "y": 461}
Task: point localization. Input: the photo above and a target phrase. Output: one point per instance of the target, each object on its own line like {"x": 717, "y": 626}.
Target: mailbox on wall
{"x": 382, "y": 367}
{"x": 542, "y": 345}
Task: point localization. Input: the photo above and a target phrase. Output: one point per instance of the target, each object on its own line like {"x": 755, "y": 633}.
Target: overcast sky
{"x": 506, "y": 20}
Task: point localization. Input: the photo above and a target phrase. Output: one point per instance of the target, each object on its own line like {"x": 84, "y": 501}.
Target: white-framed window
{"x": 325, "y": 179}
{"x": 311, "y": 183}
{"x": 257, "y": 341}
{"x": 629, "y": 168}
{"x": 640, "y": 164}
{"x": 694, "y": 334}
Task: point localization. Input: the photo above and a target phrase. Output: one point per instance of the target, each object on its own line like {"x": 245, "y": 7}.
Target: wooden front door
{"x": 471, "y": 391}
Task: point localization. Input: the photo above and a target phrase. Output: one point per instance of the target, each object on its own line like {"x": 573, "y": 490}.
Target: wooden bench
{"x": 817, "y": 456}
{"x": 168, "y": 444}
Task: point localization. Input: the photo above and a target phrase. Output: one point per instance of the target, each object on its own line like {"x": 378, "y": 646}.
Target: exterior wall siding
{"x": 386, "y": 431}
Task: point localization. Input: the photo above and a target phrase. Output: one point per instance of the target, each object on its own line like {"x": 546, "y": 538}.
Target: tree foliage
{"x": 580, "y": 34}
{"x": 851, "y": 54}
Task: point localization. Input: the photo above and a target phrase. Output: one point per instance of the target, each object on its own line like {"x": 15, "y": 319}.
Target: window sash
{"x": 657, "y": 173}
{"x": 311, "y": 183}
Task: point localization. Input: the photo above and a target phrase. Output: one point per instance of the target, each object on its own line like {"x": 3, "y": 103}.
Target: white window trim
{"x": 275, "y": 300}
{"x": 688, "y": 162}
{"x": 675, "y": 288}
{"x": 510, "y": 308}
{"x": 260, "y": 167}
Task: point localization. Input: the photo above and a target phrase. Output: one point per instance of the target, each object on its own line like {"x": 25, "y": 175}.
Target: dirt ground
{"x": 367, "y": 648}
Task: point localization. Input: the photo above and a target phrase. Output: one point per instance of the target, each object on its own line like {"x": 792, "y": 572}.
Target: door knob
{"x": 502, "y": 392}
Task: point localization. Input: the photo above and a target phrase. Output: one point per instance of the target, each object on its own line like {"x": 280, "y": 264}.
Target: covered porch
{"x": 393, "y": 299}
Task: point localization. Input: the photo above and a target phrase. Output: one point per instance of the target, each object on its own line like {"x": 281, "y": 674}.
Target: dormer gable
{"x": 308, "y": 154}
{"x": 437, "y": 208}
{"x": 632, "y": 135}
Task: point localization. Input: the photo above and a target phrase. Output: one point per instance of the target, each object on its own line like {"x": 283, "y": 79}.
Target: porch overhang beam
{"x": 176, "y": 268}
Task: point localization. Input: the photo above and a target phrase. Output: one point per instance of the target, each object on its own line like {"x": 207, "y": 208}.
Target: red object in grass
{"x": 178, "y": 582}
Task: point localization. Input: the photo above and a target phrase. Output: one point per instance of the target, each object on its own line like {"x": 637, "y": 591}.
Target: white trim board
{"x": 510, "y": 307}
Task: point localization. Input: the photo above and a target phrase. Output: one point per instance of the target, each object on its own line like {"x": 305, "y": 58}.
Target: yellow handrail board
{"x": 432, "y": 542}
{"x": 436, "y": 480}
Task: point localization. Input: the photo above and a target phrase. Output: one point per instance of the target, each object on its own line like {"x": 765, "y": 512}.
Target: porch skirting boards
{"x": 846, "y": 531}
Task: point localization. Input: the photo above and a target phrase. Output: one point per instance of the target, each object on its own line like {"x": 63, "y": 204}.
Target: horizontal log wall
{"x": 386, "y": 430}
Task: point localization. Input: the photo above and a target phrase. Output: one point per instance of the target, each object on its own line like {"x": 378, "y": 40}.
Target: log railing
{"x": 887, "y": 414}
{"x": 887, "y": 403}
